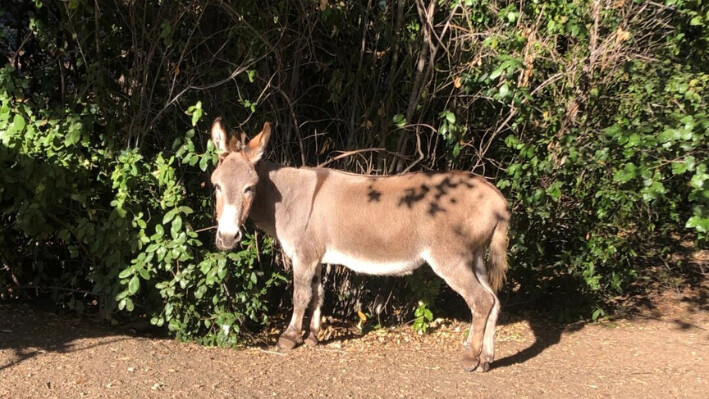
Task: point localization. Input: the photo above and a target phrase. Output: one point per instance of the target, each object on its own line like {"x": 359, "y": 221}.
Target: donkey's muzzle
{"x": 227, "y": 241}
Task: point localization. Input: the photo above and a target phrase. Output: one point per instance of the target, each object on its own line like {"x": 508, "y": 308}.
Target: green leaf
{"x": 169, "y": 216}
{"x": 653, "y": 191}
{"x": 399, "y": 121}
{"x": 196, "y": 116}
{"x": 177, "y": 223}
{"x": 596, "y": 314}
{"x": 18, "y": 123}
{"x": 700, "y": 176}
{"x": 126, "y": 273}
{"x": 144, "y": 274}
{"x": 73, "y": 135}
{"x": 669, "y": 135}
{"x": 133, "y": 285}
{"x": 629, "y": 172}
{"x": 679, "y": 168}
{"x": 196, "y": 112}
{"x": 456, "y": 150}
{"x": 165, "y": 30}
{"x": 443, "y": 130}
{"x": 633, "y": 140}
{"x": 504, "y": 90}
{"x": 554, "y": 191}
{"x": 698, "y": 223}
{"x": 205, "y": 267}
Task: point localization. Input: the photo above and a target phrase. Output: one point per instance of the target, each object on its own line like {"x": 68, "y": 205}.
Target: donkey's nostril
{"x": 227, "y": 241}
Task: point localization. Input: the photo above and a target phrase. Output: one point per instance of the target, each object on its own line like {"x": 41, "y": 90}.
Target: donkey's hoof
{"x": 311, "y": 341}
{"x": 483, "y": 367}
{"x": 286, "y": 343}
{"x": 470, "y": 363}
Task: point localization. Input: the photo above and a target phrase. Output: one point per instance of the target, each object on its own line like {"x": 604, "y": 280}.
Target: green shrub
{"x": 589, "y": 115}
{"x": 104, "y": 226}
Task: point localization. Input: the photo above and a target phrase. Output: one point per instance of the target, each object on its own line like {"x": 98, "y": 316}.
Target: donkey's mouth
{"x": 226, "y": 242}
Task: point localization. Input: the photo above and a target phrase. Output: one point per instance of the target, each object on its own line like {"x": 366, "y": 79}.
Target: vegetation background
{"x": 590, "y": 116}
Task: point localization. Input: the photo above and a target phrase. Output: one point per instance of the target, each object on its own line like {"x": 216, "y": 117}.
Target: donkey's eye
{"x": 249, "y": 190}
{"x": 218, "y": 187}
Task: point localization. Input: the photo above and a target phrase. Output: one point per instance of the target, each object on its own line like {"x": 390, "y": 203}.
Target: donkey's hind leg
{"x": 488, "y": 352}
{"x": 315, "y": 304}
{"x": 459, "y": 275}
{"x": 303, "y": 273}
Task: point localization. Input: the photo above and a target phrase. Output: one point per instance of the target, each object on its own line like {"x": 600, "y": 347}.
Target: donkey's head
{"x": 235, "y": 180}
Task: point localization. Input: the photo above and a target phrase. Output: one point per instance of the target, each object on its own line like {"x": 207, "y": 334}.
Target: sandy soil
{"x": 659, "y": 354}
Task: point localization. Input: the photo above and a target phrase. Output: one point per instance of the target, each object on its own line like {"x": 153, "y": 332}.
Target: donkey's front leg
{"x": 302, "y": 292}
{"x": 315, "y": 305}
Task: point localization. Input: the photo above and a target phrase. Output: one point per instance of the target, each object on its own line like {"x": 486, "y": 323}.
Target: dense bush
{"x": 589, "y": 115}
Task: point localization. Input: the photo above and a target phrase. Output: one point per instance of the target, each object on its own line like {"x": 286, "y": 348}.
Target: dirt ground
{"x": 662, "y": 353}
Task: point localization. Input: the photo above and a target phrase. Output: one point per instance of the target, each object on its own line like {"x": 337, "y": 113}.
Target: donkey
{"x": 380, "y": 225}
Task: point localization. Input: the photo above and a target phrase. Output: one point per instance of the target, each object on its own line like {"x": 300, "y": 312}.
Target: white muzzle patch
{"x": 229, "y": 222}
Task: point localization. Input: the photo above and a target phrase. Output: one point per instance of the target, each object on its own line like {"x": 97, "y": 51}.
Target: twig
{"x": 272, "y": 352}
{"x": 205, "y": 229}
{"x": 418, "y": 149}
{"x": 49, "y": 288}
{"x": 332, "y": 350}
{"x": 212, "y": 85}
{"x": 347, "y": 154}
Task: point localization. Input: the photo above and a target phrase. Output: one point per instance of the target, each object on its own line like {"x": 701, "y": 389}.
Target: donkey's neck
{"x": 271, "y": 187}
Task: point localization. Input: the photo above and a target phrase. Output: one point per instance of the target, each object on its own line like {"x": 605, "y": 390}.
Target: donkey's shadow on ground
{"x": 546, "y": 335}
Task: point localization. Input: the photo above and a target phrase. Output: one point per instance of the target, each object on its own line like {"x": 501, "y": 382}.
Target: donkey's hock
{"x": 371, "y": 224}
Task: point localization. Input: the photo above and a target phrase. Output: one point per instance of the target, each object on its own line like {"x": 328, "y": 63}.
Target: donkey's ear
{"x": 254, "y": 150}
{"x": 219, "y": 134}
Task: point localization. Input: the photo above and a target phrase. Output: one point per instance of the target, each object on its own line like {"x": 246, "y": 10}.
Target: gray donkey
{"x": 381, "y": 225}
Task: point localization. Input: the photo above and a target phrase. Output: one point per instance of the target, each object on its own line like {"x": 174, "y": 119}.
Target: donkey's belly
{"x": 361, "y": 263}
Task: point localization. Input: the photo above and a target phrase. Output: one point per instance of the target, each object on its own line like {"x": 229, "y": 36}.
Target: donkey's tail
{"x": 497, "y": 263}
